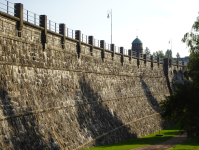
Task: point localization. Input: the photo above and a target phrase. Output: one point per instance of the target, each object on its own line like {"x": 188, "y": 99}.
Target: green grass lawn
{"x": 143, "y": 141}
{"x": 189, "y": 145}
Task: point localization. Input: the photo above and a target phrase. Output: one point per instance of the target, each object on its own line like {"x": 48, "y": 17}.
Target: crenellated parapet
{"x": 40, "y": 35}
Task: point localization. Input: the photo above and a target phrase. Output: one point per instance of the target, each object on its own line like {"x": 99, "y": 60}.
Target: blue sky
{"x": 157, "y": 21}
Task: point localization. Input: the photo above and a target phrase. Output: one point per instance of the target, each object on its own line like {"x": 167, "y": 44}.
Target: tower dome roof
{"x": 136, "y": 41}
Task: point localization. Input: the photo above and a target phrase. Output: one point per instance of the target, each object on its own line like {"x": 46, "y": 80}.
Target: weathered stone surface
{"x": 51, "y": 99}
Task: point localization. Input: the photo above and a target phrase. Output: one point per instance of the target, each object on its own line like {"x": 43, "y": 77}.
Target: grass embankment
{"x": 142, "y": 141}
{"x": 189, "y": 145}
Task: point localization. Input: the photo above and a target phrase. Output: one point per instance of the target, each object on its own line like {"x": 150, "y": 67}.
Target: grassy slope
{"x": 143, "y": 141}
{"x": 188, "y": 145}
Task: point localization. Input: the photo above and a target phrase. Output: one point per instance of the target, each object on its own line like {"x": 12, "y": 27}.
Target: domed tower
{"x": 137, "y": 45}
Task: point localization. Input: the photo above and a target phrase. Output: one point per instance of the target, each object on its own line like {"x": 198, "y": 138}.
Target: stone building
{"x": 137, "y": 45}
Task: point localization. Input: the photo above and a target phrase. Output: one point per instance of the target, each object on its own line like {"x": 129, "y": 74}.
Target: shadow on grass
{"x": 143, "y": 141}
{"x": 189, "y": 144}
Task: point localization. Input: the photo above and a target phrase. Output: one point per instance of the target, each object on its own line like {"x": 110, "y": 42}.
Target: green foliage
{"x": 192, "y": 38}
{"x": 168, "y": 54}
{"x": 193, "y": 68}
{"x": 159, "y": 53}
{"x": 182, "y": 105}
{"x": 147, "y": 51}
{"x": 177, "y": 55}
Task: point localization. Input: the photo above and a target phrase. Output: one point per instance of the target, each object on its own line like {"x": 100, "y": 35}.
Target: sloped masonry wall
{"x": 51, "y": 99}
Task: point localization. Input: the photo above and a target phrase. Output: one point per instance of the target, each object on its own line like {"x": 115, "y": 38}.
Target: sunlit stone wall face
{"x": 52, "y": 99}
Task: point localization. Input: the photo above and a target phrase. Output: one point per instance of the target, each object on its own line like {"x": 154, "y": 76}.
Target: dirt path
{"x": 165, "y": 144}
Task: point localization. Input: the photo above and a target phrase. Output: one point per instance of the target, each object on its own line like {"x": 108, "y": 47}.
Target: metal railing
{"x": 174, "y": 61}
{"x": 161, "y": 60}
{"x": 96, "y": 43}
{"x": 8, "y": 7}
{"x": 84, "y": 38}
{"x": 125, "y": 51}
{"x": 52, "y": 26}
{"x": 134, "y": 54}
{"x": 154, "y": 58}
{"x": 117, "y": 49}
{"x": 107, "y": 46}
{"x": 148, "y": 57}
{"x": 31, "y": 17}
{"x": 70, "y": 33}
{"x": 34, "y": 18}
{"x": 141, "y": 55}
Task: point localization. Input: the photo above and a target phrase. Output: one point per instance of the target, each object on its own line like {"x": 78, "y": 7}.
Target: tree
{"x": 147, "y": 51}
{"x": 168, "y": 54}
{"x": 159, "y": 53}
{"x": 177, "y": 55}
{"x": 182, "y": 105}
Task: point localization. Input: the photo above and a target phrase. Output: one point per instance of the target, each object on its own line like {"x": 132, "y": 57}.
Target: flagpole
{"x": 171, "y": 44}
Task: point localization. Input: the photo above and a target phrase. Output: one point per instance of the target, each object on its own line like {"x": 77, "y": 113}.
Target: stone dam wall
{"x": 62, "y": 93}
